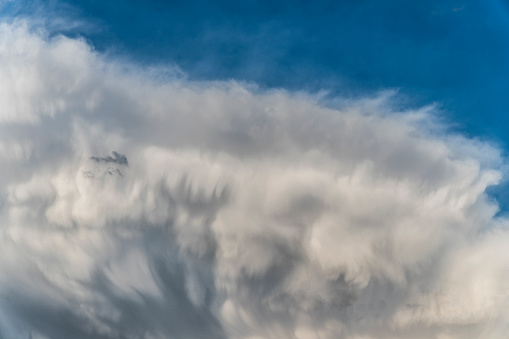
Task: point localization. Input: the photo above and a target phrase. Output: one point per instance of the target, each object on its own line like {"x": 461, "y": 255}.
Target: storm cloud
{"x": 242, "y": 214}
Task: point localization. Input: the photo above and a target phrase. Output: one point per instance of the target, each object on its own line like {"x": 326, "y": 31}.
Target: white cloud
{"x": 240, "y": 213}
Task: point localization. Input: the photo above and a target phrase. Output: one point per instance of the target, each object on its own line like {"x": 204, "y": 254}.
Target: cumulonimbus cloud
{"x": 242, "y": 213}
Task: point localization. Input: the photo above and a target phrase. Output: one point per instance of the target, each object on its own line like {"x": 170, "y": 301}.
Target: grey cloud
{"x": 117, "y": 158}
{"x": 240, "y": 214}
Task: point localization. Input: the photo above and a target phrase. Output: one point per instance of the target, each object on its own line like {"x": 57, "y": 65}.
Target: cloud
{"x": 117, "y": 158}
{"x": 458, "y": 9}
{"x": 242, "y": 213}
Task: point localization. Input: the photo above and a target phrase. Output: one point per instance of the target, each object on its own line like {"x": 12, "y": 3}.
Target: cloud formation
{"x": 242, "y": 213}
{"x": 117, "y": 158}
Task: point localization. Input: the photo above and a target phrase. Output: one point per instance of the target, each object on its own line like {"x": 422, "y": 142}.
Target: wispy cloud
{"x": 459, "y": 8}
{"x": 242, "y": 214}
{"x": 117, "y": 158}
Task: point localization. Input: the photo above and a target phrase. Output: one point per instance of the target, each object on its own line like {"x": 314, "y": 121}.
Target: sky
{"x": 255, "y": 169}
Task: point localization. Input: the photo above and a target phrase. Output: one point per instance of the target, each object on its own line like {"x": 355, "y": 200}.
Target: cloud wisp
{"x": 240, "y": 214}
{"x": 117, "y": 158}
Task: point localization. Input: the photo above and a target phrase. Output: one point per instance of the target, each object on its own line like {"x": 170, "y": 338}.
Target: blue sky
{"x": 254, "y": 169}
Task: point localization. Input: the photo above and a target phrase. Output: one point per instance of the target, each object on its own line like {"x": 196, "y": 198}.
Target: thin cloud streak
{"x": 242, "y": 213}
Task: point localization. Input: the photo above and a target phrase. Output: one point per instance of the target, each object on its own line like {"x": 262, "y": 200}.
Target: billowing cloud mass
{"x": 137, "y": 205}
